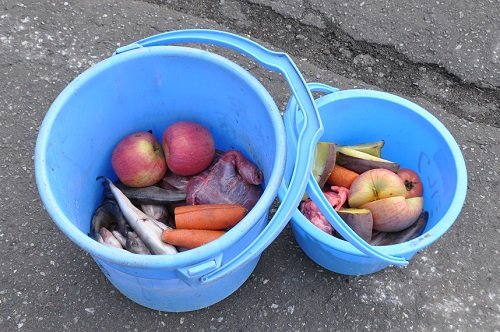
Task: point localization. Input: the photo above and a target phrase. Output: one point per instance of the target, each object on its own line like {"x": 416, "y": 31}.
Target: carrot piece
{"x": 189, "y": 238}
{"x": 342, "y": 177}
{"x": 208, "y": 216}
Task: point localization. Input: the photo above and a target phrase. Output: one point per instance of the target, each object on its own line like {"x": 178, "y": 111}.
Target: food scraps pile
{"x": 173, "y": 196}
{"x": 380, "y": 201}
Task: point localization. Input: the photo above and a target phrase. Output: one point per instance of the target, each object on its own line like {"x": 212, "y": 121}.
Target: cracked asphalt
{"x": 443, "y": 55}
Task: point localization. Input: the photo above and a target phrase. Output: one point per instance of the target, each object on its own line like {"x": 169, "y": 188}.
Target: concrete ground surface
{"x": 443, "y": 55}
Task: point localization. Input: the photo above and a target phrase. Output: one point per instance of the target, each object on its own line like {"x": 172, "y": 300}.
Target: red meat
{"x": 232, "y": 179}
{"x": 336, "y": 197}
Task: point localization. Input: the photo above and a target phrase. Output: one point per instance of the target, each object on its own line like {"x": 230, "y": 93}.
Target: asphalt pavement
{"x": 443, "y": 55}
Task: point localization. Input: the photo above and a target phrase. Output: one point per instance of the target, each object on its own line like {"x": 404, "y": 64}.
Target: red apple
{"x": 394, "y": 214}
{"x": 189, "y": 148}
{"x": 138, "y": 160}
{"x": 414, "y": 187}
{"x": 374, "y": 184}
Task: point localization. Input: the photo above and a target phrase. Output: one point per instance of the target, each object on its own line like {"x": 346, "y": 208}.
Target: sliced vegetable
{"x": 324, "y": 161}
{"x": 373, "y": 148}
{"x": 360, "y": 162}
{"x": 359, "y": 220}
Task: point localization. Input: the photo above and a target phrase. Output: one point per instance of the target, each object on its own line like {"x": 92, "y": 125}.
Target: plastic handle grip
{"x": 291, "y": 118}
{"x": 308, "y": 135}
{"x": 315, "y": 193}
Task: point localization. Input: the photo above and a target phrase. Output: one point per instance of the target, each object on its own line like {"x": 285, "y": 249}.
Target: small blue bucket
{"x": 413, "y": 138}
{"x": 148, "y": 85}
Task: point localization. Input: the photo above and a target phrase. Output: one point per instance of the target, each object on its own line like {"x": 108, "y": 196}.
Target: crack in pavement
{"x": 333, "y": 49}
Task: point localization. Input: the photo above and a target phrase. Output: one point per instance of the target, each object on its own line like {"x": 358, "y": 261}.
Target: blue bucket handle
{"x": 308, "y": 135}
{"x": 316, "y": 194}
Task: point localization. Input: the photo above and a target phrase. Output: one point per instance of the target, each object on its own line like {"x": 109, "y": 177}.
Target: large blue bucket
{"x": 147, "y": 85}
{"x": 415, "y": 139}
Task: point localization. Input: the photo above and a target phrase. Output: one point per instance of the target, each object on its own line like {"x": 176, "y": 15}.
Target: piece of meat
{"x": 310, "y": 210}
{"x": 174, "y": 181}
{"x": 336, "y": 197}
{"x": 232, "y": 179}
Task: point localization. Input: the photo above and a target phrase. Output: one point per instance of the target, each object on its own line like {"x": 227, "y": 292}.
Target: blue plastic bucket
{"x": 415, "y": 139}
{"x": 147, "y": 85}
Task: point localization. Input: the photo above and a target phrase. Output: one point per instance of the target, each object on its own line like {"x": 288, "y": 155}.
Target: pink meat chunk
{"x": 314, "y": 215}
{"x": 233, "y": 179}
{"x": 336, "y": 197}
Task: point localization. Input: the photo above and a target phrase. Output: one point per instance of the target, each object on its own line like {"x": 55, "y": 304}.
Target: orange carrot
{"x": 189, "y": 238}
{"x": 342, "y": 177}
{"x": 208, "y": 216}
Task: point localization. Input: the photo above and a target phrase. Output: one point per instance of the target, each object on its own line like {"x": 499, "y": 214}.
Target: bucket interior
{"x": 148, "y": 89}
{"x": 414, "y": 139}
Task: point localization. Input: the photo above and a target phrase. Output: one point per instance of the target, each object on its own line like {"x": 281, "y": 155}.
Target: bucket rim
{"x": 449, "y": 217}
{"x": 181, "y": 259}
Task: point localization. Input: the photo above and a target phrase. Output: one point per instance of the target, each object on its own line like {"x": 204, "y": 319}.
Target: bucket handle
{"x": 308, "y": 137}
{"x": 316, "y": 194}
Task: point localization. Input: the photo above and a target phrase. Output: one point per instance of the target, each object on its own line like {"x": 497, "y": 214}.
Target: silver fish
{"x": 109, "y": 239}
{"x": 151, "y": 194}
{"x": 161, "y": 225}
{"x": 144, "y": 226}
{"x": 136, "y": 245}
{"x": 108, "y": 215}
{"x": 157, "y": 212}
{"x": 99, "y": 239}
{"x": 122, "y": 239}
